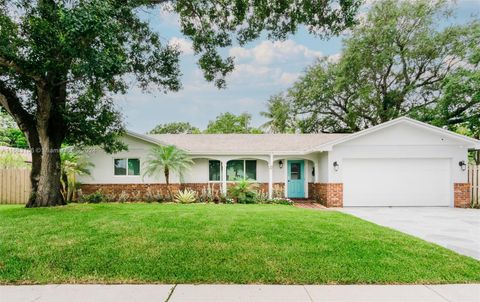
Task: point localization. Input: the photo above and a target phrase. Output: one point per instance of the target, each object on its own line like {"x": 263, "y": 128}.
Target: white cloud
{"x": 268, "y": 52}
{"x": 184, "y": 45}
{"x": 288, "y": 78}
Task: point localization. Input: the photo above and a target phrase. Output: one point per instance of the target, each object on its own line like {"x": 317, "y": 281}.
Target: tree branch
{"x": 10, "y": 102}
{"x": 12, "y": 65}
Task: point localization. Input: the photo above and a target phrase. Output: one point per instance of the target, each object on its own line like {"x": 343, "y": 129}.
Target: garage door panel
{"x": 396, "y": 182}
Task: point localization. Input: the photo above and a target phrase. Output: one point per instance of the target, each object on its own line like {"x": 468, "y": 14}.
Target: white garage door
{"x": 396, "y": 182}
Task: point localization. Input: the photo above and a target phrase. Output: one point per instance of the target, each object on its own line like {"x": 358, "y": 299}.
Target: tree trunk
{"x": 50, "y": 130}
{"x": 167, "y": 181}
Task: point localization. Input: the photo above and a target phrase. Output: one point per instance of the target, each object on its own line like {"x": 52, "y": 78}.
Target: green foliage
{"x": 175, "y": 128}
{"x": 12, "y": 160}
{"x": 10, "y": 135}
{"x": 167, "y": 159}
{"x": 279, "y": 115}
{"x": 212, "y": 25}
{"x": 397, "y": 62}
{"x": 230, "y": 123}
{"x": 244, "y": 191}
{"x": 73, "y": 164}
{"x": 185, "y": 196}
{"x": 87, "y": 49}
{"x": 95, "y": 197}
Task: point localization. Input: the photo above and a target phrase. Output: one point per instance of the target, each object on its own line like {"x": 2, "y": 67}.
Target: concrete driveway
{"x": 455, "y": 229}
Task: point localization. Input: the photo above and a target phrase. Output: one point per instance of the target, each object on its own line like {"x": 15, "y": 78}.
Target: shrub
{"x": 123, "y": 197}
{"x": 244, "y": 191}
{"x": 151, "y": 196}
{"x": 95, "y": 197}
{"x": 185, "y": 196}
{"x": 282, "y": 200}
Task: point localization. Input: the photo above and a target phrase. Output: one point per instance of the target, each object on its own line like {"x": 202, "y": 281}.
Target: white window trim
{"x": 127, "y": 175}
{"x": 244, "y": 170}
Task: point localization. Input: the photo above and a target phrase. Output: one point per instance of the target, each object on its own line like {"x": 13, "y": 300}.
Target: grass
{"x": 170, "y": 243}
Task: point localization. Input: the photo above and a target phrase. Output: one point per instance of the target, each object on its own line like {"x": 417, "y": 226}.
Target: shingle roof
{"x": 245, "y": 143}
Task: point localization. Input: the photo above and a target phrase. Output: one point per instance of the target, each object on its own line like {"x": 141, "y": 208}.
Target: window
{"x": 124, "y": 166}
{"x": 251, "y": 169}
{"x": 214, "y": 170}
{"x": 241, "y": 169}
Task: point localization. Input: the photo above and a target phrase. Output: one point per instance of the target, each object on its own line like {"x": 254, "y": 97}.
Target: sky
{"x": 262, "y": 68}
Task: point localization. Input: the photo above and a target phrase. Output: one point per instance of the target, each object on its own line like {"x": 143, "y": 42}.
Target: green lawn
{"x": 169, "y": 243}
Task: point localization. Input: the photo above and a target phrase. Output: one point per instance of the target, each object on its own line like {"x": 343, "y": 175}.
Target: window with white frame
{"x": 241, "y": 169}
{"x": 126, "y": 166}
{"x": 214, "y": 170}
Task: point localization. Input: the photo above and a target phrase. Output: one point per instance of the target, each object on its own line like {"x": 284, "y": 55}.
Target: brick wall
{"x": 462, "y": 196}
{"x": 328, "y": 194}
{"x": 141, "y": 189}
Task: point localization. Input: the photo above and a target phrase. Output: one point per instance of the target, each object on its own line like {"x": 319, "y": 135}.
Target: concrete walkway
{"x": 234, "y": 293}
{"x": 453, "y": 228}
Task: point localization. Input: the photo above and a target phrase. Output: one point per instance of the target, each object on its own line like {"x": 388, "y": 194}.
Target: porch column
{"x": 224, "y": 177}
{"x": 317, "y": 171}
{"x": 285, "y": 174}
{"x": 270, "y": 177}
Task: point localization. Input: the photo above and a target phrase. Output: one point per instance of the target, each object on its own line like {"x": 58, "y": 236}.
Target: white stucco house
{"x": 402, "y": 162}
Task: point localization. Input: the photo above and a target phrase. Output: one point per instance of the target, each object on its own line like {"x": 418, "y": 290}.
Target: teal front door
{"x": 296, "y": 179}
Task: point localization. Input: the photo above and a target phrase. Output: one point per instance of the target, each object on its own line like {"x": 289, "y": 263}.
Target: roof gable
{"x": 402, "y": 131}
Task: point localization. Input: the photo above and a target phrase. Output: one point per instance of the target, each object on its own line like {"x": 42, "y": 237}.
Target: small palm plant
{"x": 244, "y": 191}
{"x": 166, "y": 159}
{"x": 72, "y": 165}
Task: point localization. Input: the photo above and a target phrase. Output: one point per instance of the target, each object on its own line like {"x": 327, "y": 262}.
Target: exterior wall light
{"x": 462, "y": 165}
{"x": 280, "y": 164}
{"x": 335, "y": 166}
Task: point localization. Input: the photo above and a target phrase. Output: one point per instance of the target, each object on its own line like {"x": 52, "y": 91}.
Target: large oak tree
{"x": 62, "y": 60}
{"x": 398, "y": 61}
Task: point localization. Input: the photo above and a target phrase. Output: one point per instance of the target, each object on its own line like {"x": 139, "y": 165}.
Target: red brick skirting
{"x": 139, "y": 190}
{"x": 328, "y": 194}
{"x": 462, "y": 196}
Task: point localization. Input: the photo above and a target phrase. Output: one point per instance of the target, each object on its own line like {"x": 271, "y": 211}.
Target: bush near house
{"x": 244, "y": 192}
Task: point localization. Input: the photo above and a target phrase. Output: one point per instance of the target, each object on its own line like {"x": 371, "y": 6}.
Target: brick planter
{"x": 329, "y": 194}
{"x": 461, "y": 195}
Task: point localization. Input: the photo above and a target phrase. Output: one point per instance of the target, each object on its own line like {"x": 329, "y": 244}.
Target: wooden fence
{"x": 474, "y": 180}
{"x": 14, "y": 186}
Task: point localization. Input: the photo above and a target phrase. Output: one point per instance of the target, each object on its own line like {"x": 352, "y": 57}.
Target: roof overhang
{"x": 471, "y": 143}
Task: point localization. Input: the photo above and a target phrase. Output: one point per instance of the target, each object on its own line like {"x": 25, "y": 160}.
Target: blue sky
{"x": 263, "y": 68}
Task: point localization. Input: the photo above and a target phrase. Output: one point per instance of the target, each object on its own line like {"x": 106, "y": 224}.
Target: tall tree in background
{"x": 230, "y": 123}
{"x": 175, "y": 128}
{"x": 61, "y": 61}
{"x": 279, "y": 115}
{"x": 10, "y": 134}
{"x": 396, "y": 62}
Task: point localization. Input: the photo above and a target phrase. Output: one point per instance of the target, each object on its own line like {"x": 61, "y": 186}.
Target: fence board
{"x": 14, "y": 186}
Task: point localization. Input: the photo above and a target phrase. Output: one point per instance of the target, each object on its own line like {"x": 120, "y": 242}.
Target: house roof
{"x": 472, "y": 142}
{"x": 281, "y": 143}
{"x": 245, "y": 143}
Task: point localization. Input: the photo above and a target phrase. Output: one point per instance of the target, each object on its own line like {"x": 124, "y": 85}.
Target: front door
{"x": 296, "y": 180}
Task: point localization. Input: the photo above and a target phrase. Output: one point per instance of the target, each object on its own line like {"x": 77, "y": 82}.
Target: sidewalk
{"x": 250, "y": 293}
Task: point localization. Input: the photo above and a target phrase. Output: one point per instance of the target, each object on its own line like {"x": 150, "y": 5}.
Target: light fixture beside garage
{"x": 280, "y": 163}
{"x": 462, "y": 165}
{"x": 335, "y": 166}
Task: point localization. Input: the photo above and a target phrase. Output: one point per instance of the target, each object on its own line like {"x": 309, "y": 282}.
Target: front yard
{"x": 172, "y": 243}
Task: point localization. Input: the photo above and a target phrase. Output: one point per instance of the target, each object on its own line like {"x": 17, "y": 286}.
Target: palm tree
{"x": 167, "y": 159}
{"x": 278, "y": 114}
{"x": 73, "y": 164}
